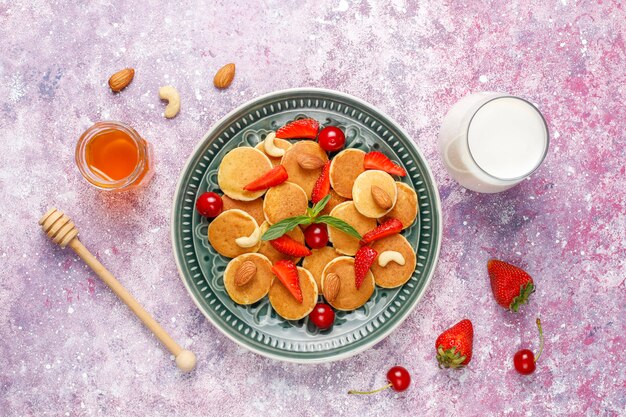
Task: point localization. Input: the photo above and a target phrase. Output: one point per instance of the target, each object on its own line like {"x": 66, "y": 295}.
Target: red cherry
{"x": 322, "y": 316}
{"x": 209, "y": 204}
{"x": 399, "y": 378}
{"x": 316, "y": 235}
{"x": 524, "y": 361}
{"x": 331, "y": 139}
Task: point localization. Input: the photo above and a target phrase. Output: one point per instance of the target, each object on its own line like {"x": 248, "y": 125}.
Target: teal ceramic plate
{"x": 258, "y": 327}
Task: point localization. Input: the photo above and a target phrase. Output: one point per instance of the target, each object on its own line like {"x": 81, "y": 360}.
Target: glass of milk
{"x": 491, "y": 141}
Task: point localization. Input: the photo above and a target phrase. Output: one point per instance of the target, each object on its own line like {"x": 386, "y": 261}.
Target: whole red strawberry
{"x": 511, "y": 285}
{"x": 454, "y": 346}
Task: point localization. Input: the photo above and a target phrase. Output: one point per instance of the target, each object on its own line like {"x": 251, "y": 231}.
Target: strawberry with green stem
{"x": 454, "y": 346}
{"x": 511, "y": 285}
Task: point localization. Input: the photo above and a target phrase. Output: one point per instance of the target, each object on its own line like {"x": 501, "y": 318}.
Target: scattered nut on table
{"x": 170, "y": 94}
{"x": 121, "y": 79}
{"x": 224, "y": 76}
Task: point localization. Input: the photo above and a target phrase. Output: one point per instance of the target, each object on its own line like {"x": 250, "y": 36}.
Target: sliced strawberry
{"x": 271, "y": 178}
{"x": 289, "y": 246}
{"x": 299, "y": 129}
{"x": 378, "y": 160}
{"x": 287, "y": 273}
{"x": 388, "y": 228}
{"x": 322, "y": 185}
{"x": 363, "y": 260}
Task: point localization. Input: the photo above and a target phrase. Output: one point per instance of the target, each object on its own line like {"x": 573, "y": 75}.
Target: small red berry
{"x": 399, "y": 378}
{"x": 322, "y": 316}
{"x": 209, "y": 204}
{"x": 331, "y": 139}
{"x": 316, "y": 235}
{"x": 524, "y": 361}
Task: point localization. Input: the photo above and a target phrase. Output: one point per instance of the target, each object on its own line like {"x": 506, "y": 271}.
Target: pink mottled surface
{"x": 68, "y": 347}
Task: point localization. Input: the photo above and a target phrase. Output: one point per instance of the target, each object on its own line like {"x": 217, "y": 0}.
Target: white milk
{"x": 490, "y": 141}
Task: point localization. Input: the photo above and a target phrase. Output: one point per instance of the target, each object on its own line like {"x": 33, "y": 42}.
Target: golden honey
{"x": 112, "y": 156}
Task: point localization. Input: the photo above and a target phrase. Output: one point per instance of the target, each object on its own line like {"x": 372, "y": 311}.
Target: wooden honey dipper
{"x": 63, "y": 232}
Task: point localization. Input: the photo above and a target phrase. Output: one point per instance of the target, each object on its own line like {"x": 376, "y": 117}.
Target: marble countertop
{"x": 68, "y": 347}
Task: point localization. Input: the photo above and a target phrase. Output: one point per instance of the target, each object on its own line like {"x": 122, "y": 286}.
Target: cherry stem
{"x": 540, "y": 339}
{"x": 370, "y": 392}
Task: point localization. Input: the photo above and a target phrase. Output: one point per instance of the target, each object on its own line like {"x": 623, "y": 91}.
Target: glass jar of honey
{"x": 112, "y": 156}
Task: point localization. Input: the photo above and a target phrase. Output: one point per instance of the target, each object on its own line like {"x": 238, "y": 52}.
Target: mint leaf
{"x": 319, "y": 206}
{"x": 339, "y": 225}
{"x": 277, "y": 230}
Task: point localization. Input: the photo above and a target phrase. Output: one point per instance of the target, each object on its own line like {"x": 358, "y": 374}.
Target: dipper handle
{"x": 62, "y": 231}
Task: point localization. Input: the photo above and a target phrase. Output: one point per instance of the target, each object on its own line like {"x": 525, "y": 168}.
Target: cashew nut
{"x": 249, "y": 241}
{"x": 170, "y": 94}
{"x": 388, "y": 256}
{"x": 270, "y": 148}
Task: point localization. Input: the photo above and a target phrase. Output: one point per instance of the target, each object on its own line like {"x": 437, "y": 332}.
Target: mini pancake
{"x": 335, "y": 200}
{"x": 240, "y": 167}
{"x": 316, "y": 262}
{"x": 284, "y": 200}
{"x": 305, "y": 178}
{"x": 406, "y": 206}
{"x": 343, "y": 242}
{"x": 279, "y": 143}
{"x": 348, "y": 298}
{"x": 344, "y": 168}
{"x": 257, "y": 287}
{"x": 362, "y": 192}
{"x": 228, "y": 226}
{"x": 253, "y": 208}
{"x": 286, "y": 305}
{"x": 393, "y": 275}
{"x": 272, "y": 254}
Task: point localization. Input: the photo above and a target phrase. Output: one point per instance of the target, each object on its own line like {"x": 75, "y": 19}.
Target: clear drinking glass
{"x": 490, "y": 142}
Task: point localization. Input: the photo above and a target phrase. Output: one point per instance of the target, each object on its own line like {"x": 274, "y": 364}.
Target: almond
{"x": 121, "y": 79}
{"x": 308, "y": 161}
{"x": 224, "y": 76}
{"x": 331, "y": 286}
{"x": 245, "y": 273}
{"x": 381, "y": 198}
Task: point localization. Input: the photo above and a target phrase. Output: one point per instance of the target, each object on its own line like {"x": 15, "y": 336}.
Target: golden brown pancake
{"x": 257, "y": 287}
{"x": 393, "y": 275}
{"x": 335, "y": 200}
{"x": 253, "y": 208}
{"x": 343, "y": 242}
{"x": 286, "y": 305}
{"x": 272, "y": 254}
{"x": 284, "y": 200}
{"x": 240, "y": 167}
{"x": 406, "y": 207}
{"x": 228, "y": 226}
{"x": 316, "y": 262}
{"x": 362, "y": 192}
{"x": 305, "y": 178}
{"x": 348, "y": 298}
{"x": 279, "y": 143}
{"x": 344, "y": 168}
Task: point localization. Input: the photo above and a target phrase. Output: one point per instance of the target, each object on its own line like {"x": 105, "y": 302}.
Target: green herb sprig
{"x": 312, "y": 216}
